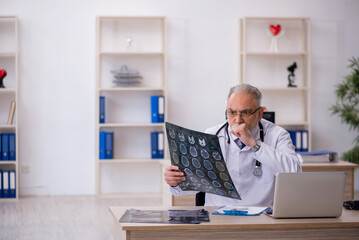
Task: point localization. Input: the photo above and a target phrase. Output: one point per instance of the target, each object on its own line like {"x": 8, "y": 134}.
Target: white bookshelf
{"x": 131, "y": 172}
{"x": 267, "y": 69}
{"x": 9, "y": 62}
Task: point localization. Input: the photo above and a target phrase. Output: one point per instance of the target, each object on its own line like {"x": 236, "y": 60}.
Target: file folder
{"x": 154, "y": 145}
{"x": 304, "y": 140}
{"x": 5, "y": 146}
{"x": 12, "y": 146}
{"x": 1, "y": 187}
{"x": 12, "y": 184}
{"x": 161, "y": 109}
{"x": 102, "y": 145}
{"x": 5, "y": 181}
{"x": 160, "y": 144}
{"x": 109, "y": 145}
{"x": 154, "y": 109}
{"x": 102, "y": 109}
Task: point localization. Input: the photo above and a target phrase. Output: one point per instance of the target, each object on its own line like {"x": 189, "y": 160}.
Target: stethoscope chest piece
{"x": 257, "y": 171}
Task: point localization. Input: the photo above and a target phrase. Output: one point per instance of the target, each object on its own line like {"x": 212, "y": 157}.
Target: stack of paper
{"x": 318, "y": 156}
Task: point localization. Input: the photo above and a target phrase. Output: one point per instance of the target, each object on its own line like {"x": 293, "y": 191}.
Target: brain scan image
{"x": 199, "y": 156}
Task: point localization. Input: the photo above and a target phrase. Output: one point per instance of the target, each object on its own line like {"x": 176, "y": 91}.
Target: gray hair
{"x": 246, "y": 88}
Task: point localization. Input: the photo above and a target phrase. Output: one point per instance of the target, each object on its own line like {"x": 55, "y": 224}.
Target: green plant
{"x": 347, "y": 106}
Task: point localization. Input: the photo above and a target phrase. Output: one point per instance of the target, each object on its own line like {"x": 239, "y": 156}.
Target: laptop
{"x": 308, "y": 195}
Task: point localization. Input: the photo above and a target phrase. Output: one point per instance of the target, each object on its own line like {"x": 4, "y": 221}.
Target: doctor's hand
{"x": 173, "y": 176}
{"x": 242, "y": 131}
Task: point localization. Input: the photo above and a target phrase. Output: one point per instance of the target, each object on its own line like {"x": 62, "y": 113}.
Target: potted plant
{"x": 347, "y": 106}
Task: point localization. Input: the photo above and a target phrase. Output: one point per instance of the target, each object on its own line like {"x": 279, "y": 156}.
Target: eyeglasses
{"x": 246, "y": 113}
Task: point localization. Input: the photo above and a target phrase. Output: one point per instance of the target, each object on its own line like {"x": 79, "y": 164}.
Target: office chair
{"x": 200, "y": 198}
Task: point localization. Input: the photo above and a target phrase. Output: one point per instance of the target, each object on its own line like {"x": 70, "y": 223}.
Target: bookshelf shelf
{"x": 128, "y": 108}
{"x": 266, "y": 67}
{"x": 9, "y": 62}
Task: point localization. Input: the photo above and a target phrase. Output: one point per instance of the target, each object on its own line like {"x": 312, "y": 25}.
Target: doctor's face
{"x": 243, "y": 108}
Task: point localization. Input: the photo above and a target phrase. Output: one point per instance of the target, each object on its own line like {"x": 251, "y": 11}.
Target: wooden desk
{"x": 340, "y": 166}
{"x": 240, "y": 227}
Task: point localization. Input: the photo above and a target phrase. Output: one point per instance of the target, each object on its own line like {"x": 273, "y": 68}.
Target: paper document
{"x": 240, "y": 210}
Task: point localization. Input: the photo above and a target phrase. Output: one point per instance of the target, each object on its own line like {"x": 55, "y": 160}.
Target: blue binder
{"x": 12, "y": 184}
{"x": 1, "y": 194}
{"x": 109, "y": 145}
{"x": 5, "y": 146}
{"x": 0, "y": 146}
{"x": 102, "y": 145}
{"x": 160, "y": 144}
{"x": 161, "y": 109}
{"x": 305, "y": 140}
{"x": 154, "y": 145}
{"x": 294, "y": 139}
{"x": 6, "y": 184}
{"x": 154, "y": 109}
{"x": 12, "y": 146}
{"x": 102, "y": 109}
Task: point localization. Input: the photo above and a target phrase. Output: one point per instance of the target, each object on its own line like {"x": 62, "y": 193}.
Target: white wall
{"x": 57, "y": 74}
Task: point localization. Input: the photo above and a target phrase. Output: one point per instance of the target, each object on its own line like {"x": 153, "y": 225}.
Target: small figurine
{"x": 2, "y": 76}
{"x": 274, "y": 33}
{"x": 291, "y": 75}
{"x": 129, "y": 41}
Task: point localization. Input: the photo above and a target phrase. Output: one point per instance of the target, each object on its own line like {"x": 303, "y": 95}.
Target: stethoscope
{"x": 257, "y": 171}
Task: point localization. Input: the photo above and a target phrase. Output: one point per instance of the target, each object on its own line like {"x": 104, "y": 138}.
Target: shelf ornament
{"x": 274, "y": 34}
{"x": 129, "y": 40}
{"x": 126, "y": 77}
{"x": 2, "y": 76}
{"x": 291, "y": 75}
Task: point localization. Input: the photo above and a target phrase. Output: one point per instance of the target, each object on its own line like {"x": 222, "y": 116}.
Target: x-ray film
{"x": 199, "y": 156}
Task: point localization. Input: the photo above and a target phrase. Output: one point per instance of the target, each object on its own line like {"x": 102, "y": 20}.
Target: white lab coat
{"x": 276, "y": 155}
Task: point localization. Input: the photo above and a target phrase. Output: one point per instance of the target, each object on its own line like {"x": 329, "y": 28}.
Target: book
{"x": 102, "y": 109}
{"x": 318, "y": 156}
{"x": 11, "y": 113}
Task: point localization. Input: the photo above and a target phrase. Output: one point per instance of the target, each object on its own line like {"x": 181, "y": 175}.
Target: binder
{"x": 0, "y": 146}
{"x": 109, "y": 145}
{"x": 154, "y": 144}
{"x": 161, "y": 109}
{"x": 1, "y": 194}
{"x": 5, "y": 146}
{"x": 5, "y": 181}
{"x": 154, "y": 109}
{"x": 298, "y": 141}
{"x": 160, "y": 144}
{"x": 12, "y": 184}
{"x": 304, "y": 140}
{"x": 102, "y": 109}
{"x": 102, "y": 145}
{"x": 12, "y": 146}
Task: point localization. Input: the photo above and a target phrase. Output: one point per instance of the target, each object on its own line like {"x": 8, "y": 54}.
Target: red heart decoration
{"x": 2, "y": 72}
{"x": 275, "y": 29}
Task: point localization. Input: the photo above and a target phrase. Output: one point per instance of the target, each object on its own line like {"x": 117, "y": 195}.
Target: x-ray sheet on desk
{"x": 199, "y": 156}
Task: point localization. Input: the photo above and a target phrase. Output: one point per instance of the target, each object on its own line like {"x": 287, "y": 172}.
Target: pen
{"x": 237, "y": 213}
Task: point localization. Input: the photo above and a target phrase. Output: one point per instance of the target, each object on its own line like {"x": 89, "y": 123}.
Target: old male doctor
{"x": 253, "y": 148}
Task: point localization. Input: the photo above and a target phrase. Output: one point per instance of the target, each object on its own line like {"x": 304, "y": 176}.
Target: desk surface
{"x": 348, "y": 219}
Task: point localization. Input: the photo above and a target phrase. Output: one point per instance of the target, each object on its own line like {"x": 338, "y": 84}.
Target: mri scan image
{"x": 199, "y": 156}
